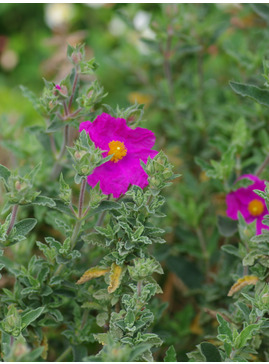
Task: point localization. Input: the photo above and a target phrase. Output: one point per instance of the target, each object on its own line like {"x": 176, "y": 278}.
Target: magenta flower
{"x": 248, "y": 203}
{"x": 58, "y": 87}
{"x": 128, "y": 146}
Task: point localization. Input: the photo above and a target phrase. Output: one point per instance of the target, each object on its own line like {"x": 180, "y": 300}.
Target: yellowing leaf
{"x": 114, "y": 278}
{"x": 242, "y": 282}
{"x": 92, "y": 273}
{"x": 195, "y": 327}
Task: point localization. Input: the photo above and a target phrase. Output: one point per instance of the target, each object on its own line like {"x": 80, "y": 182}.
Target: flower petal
{"x": 116, "y": 178}
{"x": 232, "y": 205}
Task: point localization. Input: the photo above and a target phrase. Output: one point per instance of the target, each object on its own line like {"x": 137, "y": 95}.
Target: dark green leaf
{"x": 210, "y": 352}
{"x": 23, "y": 227}
{"x": 231, "y": 249}
{"x": 262, "y": 10}
{"x": 55, "y": 125}
{"x": 94, "y": 238}
{"x": 227, "y": 227}
{"x": 105, "y": 205}
{"x": 185, "y": 270}
{"x": 31, "y": 316}
{"x": 79, "y": 352}
{"x": 44, "y": 201}
{"x": 254, "y": 92}
{"x": 4, "y": 172}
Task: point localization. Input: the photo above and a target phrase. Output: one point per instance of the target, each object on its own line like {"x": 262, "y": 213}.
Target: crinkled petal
{"x": 232, "y": 205}
{"x": 138, "y": 139}
{"x": 246, "y": 195}
{"x": 115, "y": 178}
{"x": 252, "y": 177}
{"x": 106, "y": 128}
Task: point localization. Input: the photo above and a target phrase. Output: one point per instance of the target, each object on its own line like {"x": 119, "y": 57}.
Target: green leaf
{"x": 79, "y": 352}
{"x": 170, "y": 354}
{"x": 262, "y": 10}
{"x": 33, "y": 355}
{"x": 24, "y": 226}
{"x": 205, "y": 166}
{"x": 94, "y": 238}
{"x": 224, "y": 327}
{"x": 31, "y": 97}
{"x": 254, "y": 92}
{"x": 4, "y": 172}
{"x": 55, "y": 125}
{"x": 44, "y": 201}
{"x": 231, "y": 249}
{"x": 245, "y": 335}
{"x": 138, "y": 351}
{"x": 210, "y": 352}
{"x": 104, "y": 206}
{"x": 227, "y": 227}
{"x": 101, "y": 319}
{"x": 31, "y": 316}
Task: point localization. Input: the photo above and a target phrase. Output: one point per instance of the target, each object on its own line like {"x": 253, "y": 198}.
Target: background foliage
{"x": 178, "y": 60}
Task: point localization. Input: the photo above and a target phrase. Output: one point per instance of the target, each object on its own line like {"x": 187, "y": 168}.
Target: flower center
{"x": 118, "y": 149}
{"x": 255, "y": 207}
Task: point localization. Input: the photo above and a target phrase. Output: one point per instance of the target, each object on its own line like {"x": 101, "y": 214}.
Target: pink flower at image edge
{"x": 248, "y": 203}
{"x": 129, "y": 147}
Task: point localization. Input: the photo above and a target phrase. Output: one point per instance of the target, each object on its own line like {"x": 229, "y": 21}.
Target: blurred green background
{"x": 177, "y": 59}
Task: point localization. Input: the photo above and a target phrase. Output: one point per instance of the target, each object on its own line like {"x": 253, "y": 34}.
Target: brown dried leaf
{"x": 92, "y": 273}
{"x": 114, "y": 278}
{"x": 242, "y": 282}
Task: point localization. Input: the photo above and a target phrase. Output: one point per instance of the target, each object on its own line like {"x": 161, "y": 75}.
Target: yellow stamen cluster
{"x": 118, "y": 149}
{"x": 255, "y": 207}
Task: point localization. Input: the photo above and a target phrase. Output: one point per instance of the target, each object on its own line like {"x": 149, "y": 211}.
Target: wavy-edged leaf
{"x": 31, "y": 316}
{"x": 24, "y": 226}
{"x": 241, "y": 283}
{"x": 44, "y": 201}
{"x": 114, "y": 277}
{"x": 93, "y": 273}
{"x": 254, "y": 92}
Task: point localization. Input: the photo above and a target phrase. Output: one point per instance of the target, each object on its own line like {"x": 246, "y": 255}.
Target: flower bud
{"x": 18, "y": 185}
{"x": 167, "y": 173}
{"x": 85, "y": 170}
{"x": 76, "y": 57}
{"x": 78, "y": 155}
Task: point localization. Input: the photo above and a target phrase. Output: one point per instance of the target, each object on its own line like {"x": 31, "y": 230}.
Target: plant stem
{"x": 139, "y": 287}
{"x": 76, "y": 230}
{"x": 262, "y": 166}
{"x": 64, "y": 354}
{"x": 13, "y": 218}
{"x": 81, "y": 197}
{"x": 73, "y": 90}
{"x": 57, "y": 167}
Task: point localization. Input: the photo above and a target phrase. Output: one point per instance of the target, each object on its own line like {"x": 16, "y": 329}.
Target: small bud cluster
{"x": 85, "y": 157}
{"x": 160, "y": 172}
{"x": 21, "y": 190}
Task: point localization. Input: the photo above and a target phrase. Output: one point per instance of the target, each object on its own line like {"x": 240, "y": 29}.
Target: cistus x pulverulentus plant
{"x": 89, "y": 213}
{"x": 243, "y": 326}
